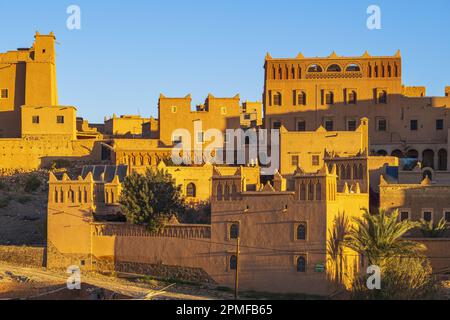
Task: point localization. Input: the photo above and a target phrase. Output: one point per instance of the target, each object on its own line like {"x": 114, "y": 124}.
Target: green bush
{"x": 32, "y": 183}
{"x": 150, "y": 200}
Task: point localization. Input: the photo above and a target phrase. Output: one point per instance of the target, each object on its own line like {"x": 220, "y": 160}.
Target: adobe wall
{"x": 438, "y": 251}
{"x": 34, "y": 154}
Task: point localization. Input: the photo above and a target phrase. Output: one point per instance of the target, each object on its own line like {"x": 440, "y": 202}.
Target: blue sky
{"x": 127, "y": 52}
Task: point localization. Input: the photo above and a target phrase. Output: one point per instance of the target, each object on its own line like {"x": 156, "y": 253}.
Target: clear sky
{"x": 128, "y": 52}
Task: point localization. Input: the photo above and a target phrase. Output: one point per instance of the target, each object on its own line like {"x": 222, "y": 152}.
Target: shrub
{"x": 150, "y": 200}
{"x": 4, "y": 202}
{"x": 23, "y": 199}
{"x": 432, "y": 230}
{"x": 32, "y": 183}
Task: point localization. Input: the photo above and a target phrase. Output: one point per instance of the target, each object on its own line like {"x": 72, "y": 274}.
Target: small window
{"x": 60, "y": 119}
{"x": 352, "y": 97}
{"x": 382, "y": 125}
{"x": 35, "y": 119}
{"x": 329, "y": 98}
{"x": 315, "y": 161}
{"x": 301, "y": 264}
{"x": 382, "y": 97}
{"x": 277, "y": 99}
{"x": 301, "y": 232}
{"x": 191, "y": 190}
{"x": 223, "y": 110}
{"x": 247, "y": 117}
{"x": 351, "y": 125}
{"x": 295, "y": 161}
{"x": 329, "y": 125}
{"x": 301, "y": 126}
{"x": 447, "y": 216}
{"x": 174, "y": 109}
{"x": 4, "y": 94}
{"x": 301, "y": 98}
{"x": 427, "y": 216}
{"x": 234, "y": 231}
{"x": 404, "y": 215}
{"x": 277, "y": 125}
{"x": 440, "y": 124}
{"x": 233, "y": 263}
{"x": 414, "y": 125}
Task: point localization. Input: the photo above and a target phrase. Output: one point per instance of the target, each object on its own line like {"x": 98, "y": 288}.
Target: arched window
{"x": 302, "y": 192}
{"x": 219, "y": 192}
{"x": 442, "y": 159}
{"x": 301, "y": 232}
{"x": 56, "y": 196}
{"x": 412, "y": 154}
{"x": 428, "y": 159}
{"x": 61, "y": 196}
{"x": 389, "y": 71}
{"x": 301, "y": 264}
{"x": 85, "y": 196}
{"x": 382, "y": 97}
{"x": 311, "y": 191}
{"x": 227, "y": 193}
{"x": 277, "y": 99}
{"x": 191, "y": 190}
{"x": 301, "y": 98}
{"x": 353, "y": 68}
{"x": 318, "y": 191}
{"x": 234, "y": 231}
{"x": 233, "y": 263}
{"x": 329, "y": 97}
{"x": 348, "y": 172}
{"x": 352, "y": 97}
{"x": 315, "y": 68}
{"x": 342, "y": 172}
{"x": 334, "y": 68}
{"x": 234, "y": 192}
{"x": 361, "y": 172}
{"x": 355, "y": 172}
{"x": 397, "y": 153}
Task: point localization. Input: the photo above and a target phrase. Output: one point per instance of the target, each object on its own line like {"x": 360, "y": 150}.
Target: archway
{"x": 428, "y": 159}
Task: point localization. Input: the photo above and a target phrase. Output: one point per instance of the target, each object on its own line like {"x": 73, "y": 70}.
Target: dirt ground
{"x": 38, "y": 284}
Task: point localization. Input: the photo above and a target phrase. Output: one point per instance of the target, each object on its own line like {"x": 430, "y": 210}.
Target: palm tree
{"x": 335, "y": 248}
{"x": 378, "y": 237}
{"x": 432, "y": 230}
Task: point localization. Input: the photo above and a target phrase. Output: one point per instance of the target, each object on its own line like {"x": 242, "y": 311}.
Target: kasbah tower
{"x": 352, "y": 137}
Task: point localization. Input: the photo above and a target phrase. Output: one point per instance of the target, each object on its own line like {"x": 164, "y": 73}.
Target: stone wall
{"x": 24, "y": 256}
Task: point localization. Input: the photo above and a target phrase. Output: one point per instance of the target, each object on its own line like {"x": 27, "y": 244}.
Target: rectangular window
{"x": 247, "y": 117}
{"x": 4, "y": 94}
{"x": 295, "y": 161}
{"x": 382, "y": 125}
{"x": 60, "y": 119}
{"x": 277, "y": 125}
{"x": 174, "y": 109}
{"x": 447, "y": 216}
{"x": 329, "y": 125}
{"x": 315, "y": 161}
{"x": 301, "y": 126}
{"x": 35, "y": 119}
{"x": 414, "y": 125}
{"x": 427, "y": 216}
{"x": 351, "y": 125}
{"x": 440, "y": 124}
{"x": 404, "y": 215}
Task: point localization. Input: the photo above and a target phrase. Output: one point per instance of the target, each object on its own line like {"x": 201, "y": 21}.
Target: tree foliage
{"x": 432, "y": 230}
{"x": 405, "y": 272}
{"x": 150, "y": 200}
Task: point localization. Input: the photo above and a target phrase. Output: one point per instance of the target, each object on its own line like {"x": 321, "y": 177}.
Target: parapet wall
{"x": 34, "y": 154}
